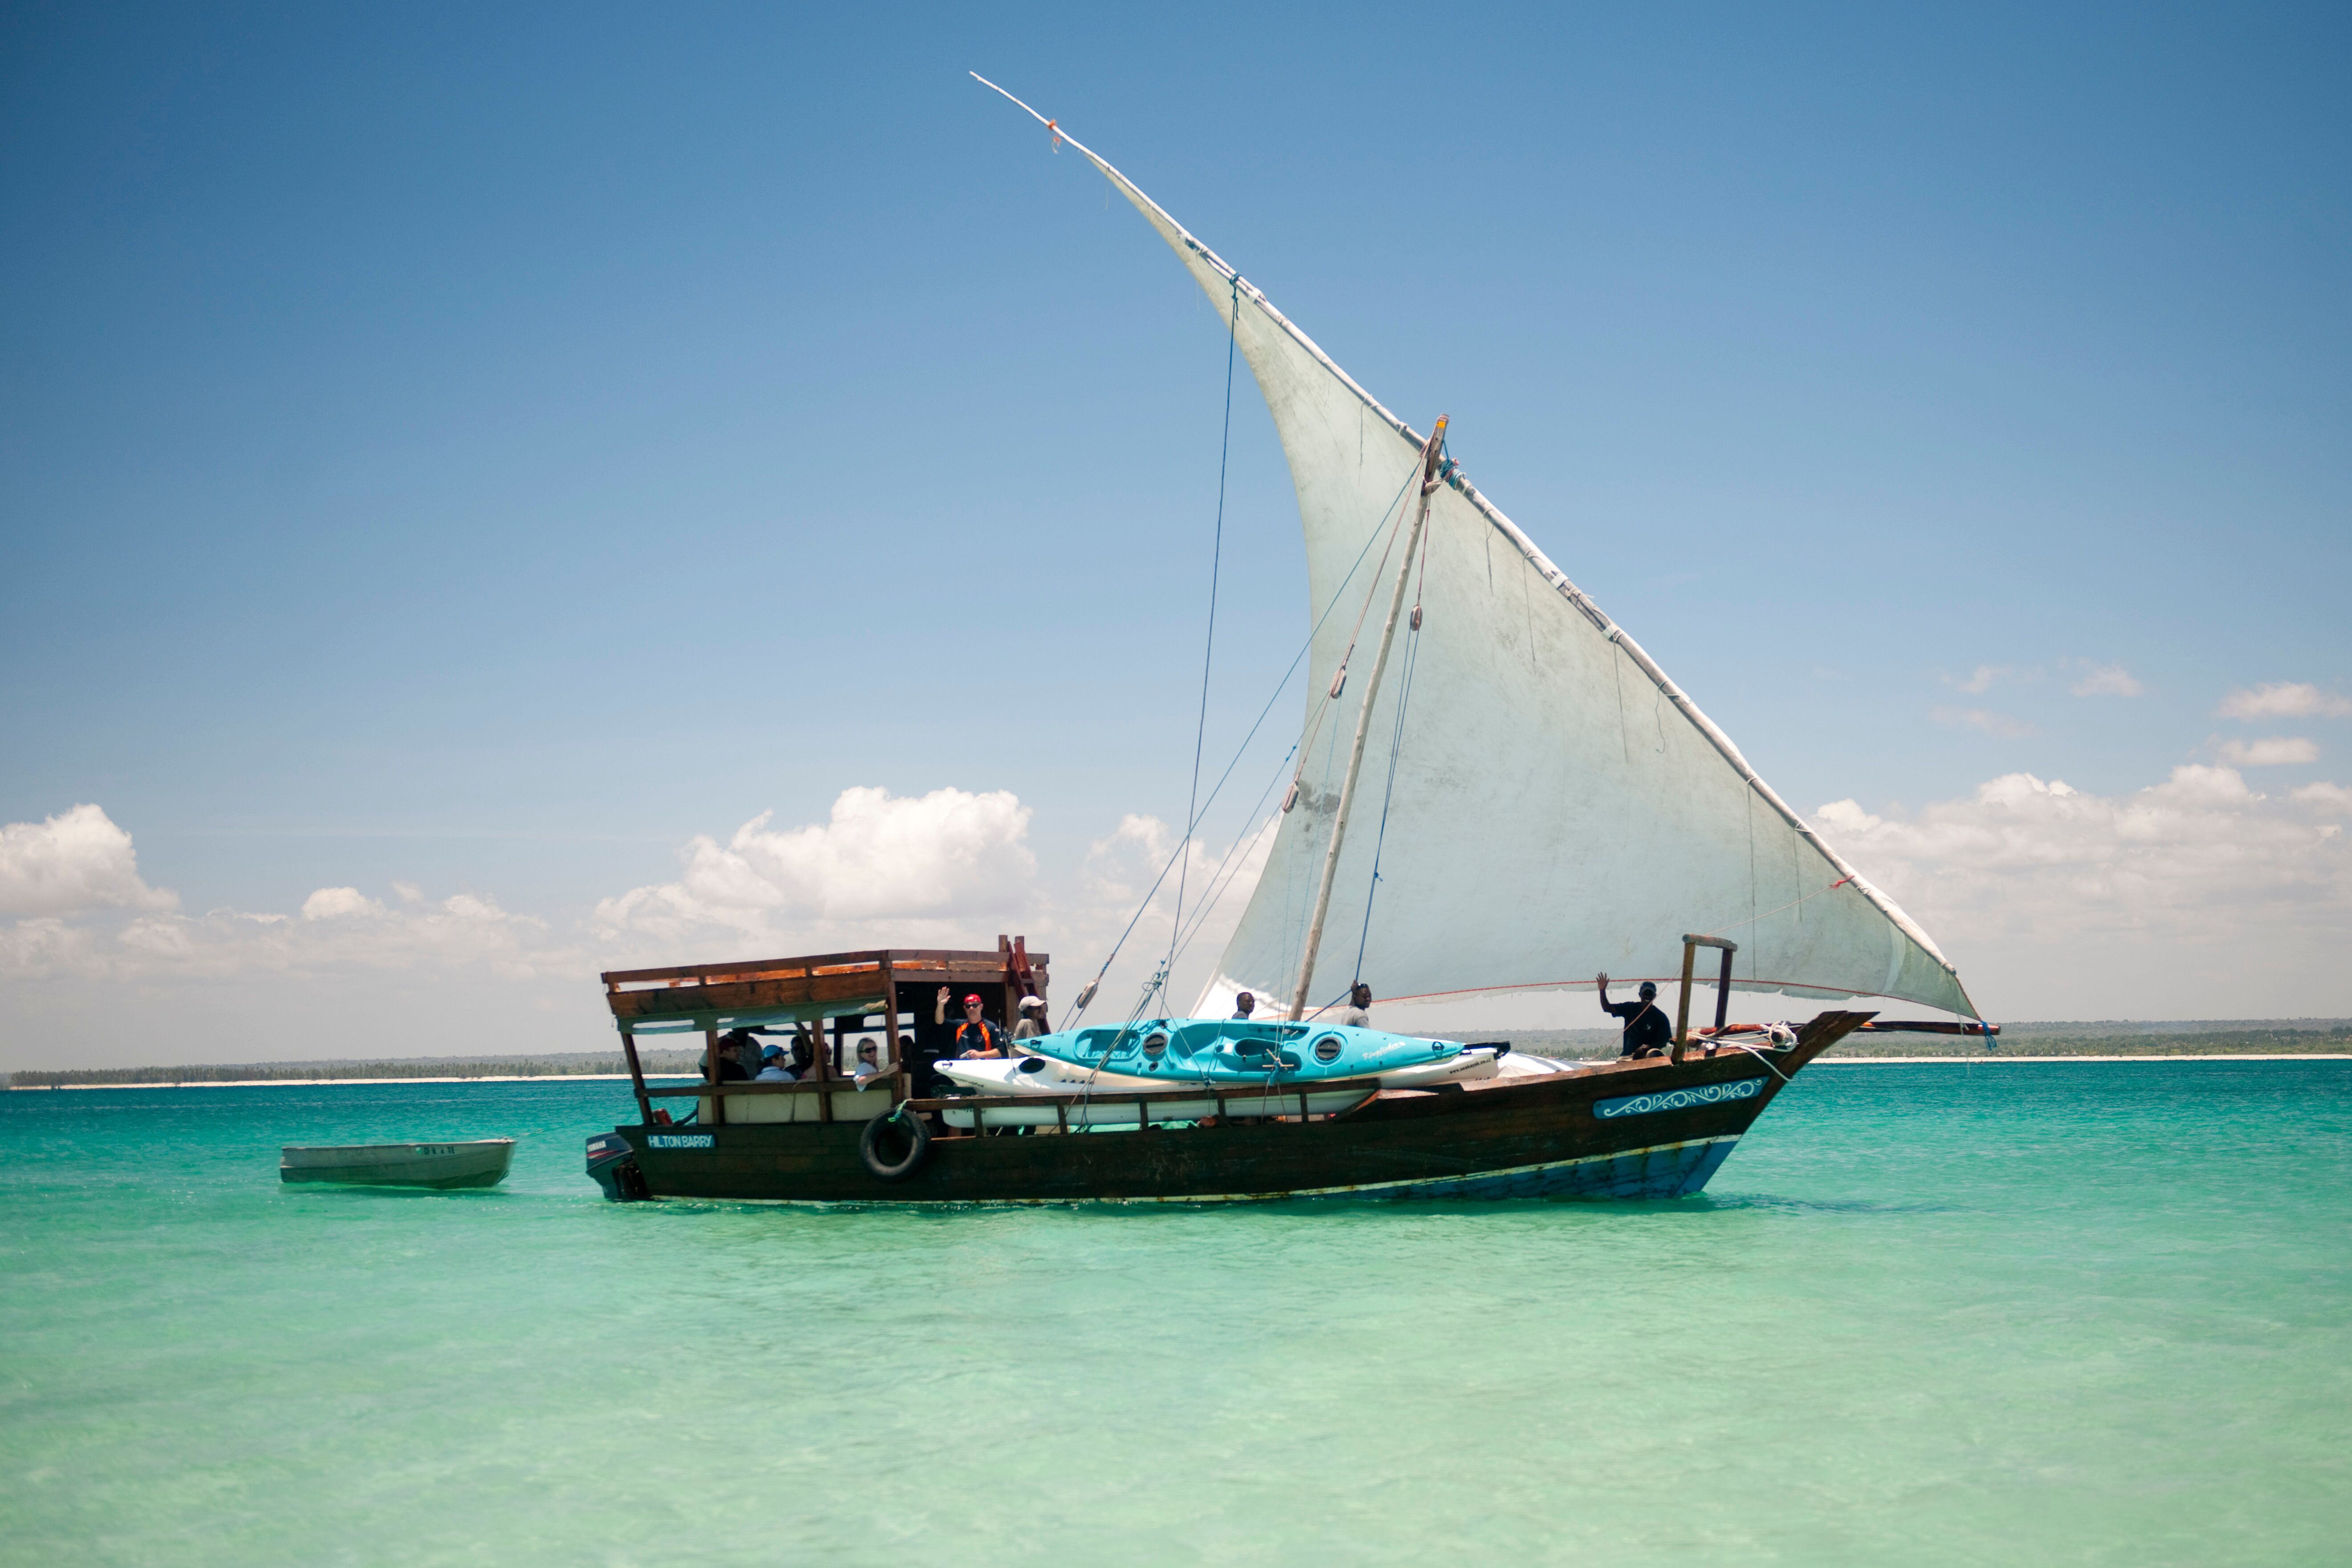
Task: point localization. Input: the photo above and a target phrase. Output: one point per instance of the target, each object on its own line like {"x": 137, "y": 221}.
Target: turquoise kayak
{"x": 1194, "y": 1050}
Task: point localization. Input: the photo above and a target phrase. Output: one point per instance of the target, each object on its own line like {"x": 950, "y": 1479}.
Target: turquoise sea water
{"x": 1948, "y": 1314}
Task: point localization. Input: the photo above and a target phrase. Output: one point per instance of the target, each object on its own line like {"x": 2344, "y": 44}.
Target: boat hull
{"x": 1650, "y": 1129}
{"x": 470, "y": 1163}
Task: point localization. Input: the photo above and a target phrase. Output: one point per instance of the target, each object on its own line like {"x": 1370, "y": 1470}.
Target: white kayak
{"x": 1024, "y": 1076}
{"x": 1519, "y": 1064}
{"x": 1040, "y": 1075}
{"x": 1474, "y": 1064}
{"x": 1044, "y": 1075}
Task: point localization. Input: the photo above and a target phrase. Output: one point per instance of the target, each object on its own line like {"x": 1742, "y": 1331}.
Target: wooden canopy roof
{"x": 695, "y": 997}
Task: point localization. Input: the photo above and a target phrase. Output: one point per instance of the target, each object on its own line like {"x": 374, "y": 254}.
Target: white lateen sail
{"x": 1551, "y": 805}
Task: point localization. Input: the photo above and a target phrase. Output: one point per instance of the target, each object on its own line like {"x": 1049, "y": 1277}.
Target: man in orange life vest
{"x": 975, "y": 1037}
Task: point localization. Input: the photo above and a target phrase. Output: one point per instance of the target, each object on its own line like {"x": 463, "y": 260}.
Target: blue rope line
{"x": 1396, "y": 747}
{"x": 1216, "y": 563}
{"x": 1201, "y": 915}
{"x": 1239, "y": 751}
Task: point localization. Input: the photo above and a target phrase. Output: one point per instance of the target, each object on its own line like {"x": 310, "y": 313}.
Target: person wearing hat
{"x": 975, "y": 1037}
{"x": 1032, "y": 1021}
{"x": 1646, "y": 1029}
{"x": 744, "y": 1045}
{"x": 1243, "y": 1005}
{"x": 724, "y": 1058}
{"x": 772, "y": 1067}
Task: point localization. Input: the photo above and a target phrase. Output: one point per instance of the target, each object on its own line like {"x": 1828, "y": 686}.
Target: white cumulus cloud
{"x": 2325, "y": 796}
{"x": 2107, "y": 680}
{"x": 76, "y": 861}
{"x": 2058, "y": 903}
{"x": 1985, "y": 677}
{"x": 333, "y": 903}
{"x": 341, "y": 931}
{"x": 2271, "y": 752}
{"x": 2285, "y": 700}
{"x": 1991, "y": 723}
{"x": 947, "y": 857}
{"x": 1213, "y": 882}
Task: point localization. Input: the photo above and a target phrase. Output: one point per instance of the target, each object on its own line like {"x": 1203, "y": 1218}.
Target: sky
{"x": 491, "y": 495}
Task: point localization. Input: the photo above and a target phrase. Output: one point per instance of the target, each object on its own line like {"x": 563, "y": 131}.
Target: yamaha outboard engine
{"x": 614, "y": 1164}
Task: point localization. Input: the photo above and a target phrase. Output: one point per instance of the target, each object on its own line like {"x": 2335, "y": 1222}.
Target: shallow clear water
{"x": 1942, "y": 1313}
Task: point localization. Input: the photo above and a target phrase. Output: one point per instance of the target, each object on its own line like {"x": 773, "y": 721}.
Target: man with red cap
{"x": 975, "y": 1037}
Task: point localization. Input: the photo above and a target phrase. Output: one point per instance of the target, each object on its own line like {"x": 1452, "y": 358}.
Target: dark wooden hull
{"x": 1648, "y": 1129}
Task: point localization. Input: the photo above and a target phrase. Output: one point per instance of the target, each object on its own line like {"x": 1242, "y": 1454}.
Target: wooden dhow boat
{"x": 1551, "y": 805}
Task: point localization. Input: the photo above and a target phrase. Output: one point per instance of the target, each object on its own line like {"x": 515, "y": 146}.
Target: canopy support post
{"x": 1691, "y": 944}
{"x": 636, "y": 1078}
{"x": 710, "y": 1065}
{"x": 1429, "y": 483}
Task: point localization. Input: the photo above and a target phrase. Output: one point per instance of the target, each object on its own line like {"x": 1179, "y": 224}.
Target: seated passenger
{"x": 868, "y": 1059}
{"x": 1358, "y": 1014}
{"x": 722, "y": 1059}
{"x": 1033, "y": 1018}
{"x": 772, "y": 1065}
{"x": 743, "y": 1044}
{"x": 1243, "y": 1005}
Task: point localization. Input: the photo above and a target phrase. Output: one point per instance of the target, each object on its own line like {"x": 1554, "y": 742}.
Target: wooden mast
{"x": 1429, "y": 482}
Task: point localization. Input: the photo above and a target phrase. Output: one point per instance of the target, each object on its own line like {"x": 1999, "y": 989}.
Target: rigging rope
{"x": 1396, "y": 739}
{"x": 1396, "y": 745}
{"x": 1217, "y": 888}
{"x": 1338, "y": 680}
{"x": 1085, "y": 995}
{"x": 1216, "y": 563}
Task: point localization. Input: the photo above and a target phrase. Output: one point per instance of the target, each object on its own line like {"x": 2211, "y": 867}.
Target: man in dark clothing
{"x": 743, "y": 1050}
{"x": 1646, "y": 1028}
{"x": 723, "y": 1062}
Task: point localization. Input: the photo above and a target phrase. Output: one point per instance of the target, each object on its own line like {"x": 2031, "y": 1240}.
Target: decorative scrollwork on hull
{"x": 1678, "y": 1098}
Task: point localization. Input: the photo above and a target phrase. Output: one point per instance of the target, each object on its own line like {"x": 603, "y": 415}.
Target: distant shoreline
{"x": 1924, "y": 1060}
{"x": 2209, "y": 1039}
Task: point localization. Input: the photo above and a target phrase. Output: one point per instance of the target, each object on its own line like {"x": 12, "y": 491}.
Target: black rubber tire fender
{"x": 919, "y": 1145}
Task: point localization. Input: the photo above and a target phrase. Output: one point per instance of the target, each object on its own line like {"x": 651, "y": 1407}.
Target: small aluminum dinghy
{"x": 474, "y": 1162}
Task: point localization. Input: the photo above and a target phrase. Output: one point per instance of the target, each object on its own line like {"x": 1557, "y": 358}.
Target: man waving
{"x": 1646, "y": 1028}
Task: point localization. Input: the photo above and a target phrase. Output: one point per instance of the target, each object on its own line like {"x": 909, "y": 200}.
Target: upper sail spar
{"x": 1559, "y": 806}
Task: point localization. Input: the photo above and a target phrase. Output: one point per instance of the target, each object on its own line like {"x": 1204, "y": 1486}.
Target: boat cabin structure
{"x": 831, "y": 1000}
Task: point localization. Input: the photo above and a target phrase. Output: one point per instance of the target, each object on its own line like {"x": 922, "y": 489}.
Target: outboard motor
{"x": 614, "y": 1164}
